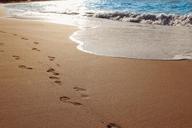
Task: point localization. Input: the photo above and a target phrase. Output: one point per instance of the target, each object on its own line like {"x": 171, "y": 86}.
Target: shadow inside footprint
{"x": 2, "y": 32}
{"x": 64, "y": 98}
{"x": 113, "y": 125}
{"x": 29, "y": 68}
{"x": 25, "y": 67}
{"x": 24, "y": 38}
{"x": 79, "y": 89}
{"x": 36, "y": 49}
{"x": 58, "y": 65}
{"x": 54, "y": 77}
{"x": 22, "y": 66}
{"x": 1, "y": 50}
{"x": 55, "y": 73}
{"x": 85, "y": 96}
{"x": 57, "y": 82}
{"x": 16, "y": 57}
{"x": 75, "y": 103}
{"x": 1, "y": 44}
{"x": 51, "y": 70}
{"x": 14, "y": 34}
{"x": 51, "y": 58}
{"x": 36, "y": 42}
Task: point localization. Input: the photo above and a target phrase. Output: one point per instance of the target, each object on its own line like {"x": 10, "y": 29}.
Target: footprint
{"x": 25, "y": 67}
{"x": 1, "y": 44}
{"x": 54, "y": 77}
{"x": 29, "y": 68}
{"x": 113, "y": 125}
{"x": 85, "y": 96}
{"x": 36, "y": 42}
{"x": 51, "y": 58}
{"x": 57, "y": 82}
{"x": 36, "y": 49}
{"x": 58, "y": 65}
{"x": 1, "y": 50}
{"x": 2, "y": 32}
{"x": 22, "y": 66}
{"x": 75, "y": 103}
{"x": 64, "y": 98}
{"x": 16, "y": 57}
{"x": 51, "y": 70}
{"x": 24, "y": 38}
{"x": 14, "y": 34}
{"x": 55, "y": 73}
{"x": 79, "y": 89}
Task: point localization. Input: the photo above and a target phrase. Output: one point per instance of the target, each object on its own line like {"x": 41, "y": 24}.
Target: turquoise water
{"x": 120, "y": 39}
{"x": 161, "y": 12}
{"x": 179, "y": 7}
{"x": 143, "y": 6}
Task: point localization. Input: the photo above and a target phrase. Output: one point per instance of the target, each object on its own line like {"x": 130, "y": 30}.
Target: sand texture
{"x": 2, "y": 10}
{"x": 45, "y": 82}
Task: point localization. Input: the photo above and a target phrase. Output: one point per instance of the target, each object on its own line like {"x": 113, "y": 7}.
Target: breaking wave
{"x": 159, "y": 19}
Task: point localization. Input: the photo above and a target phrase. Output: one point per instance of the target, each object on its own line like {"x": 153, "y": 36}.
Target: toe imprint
{"x": 79, "y": 89}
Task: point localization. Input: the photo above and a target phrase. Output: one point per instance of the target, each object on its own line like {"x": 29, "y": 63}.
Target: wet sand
{"x": 45, "y": 82}
{"x": 2, "y": 10}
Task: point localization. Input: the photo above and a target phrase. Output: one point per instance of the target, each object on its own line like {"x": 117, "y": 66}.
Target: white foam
{"x": 121, "y": 39}
{"x": 131, "y": 40}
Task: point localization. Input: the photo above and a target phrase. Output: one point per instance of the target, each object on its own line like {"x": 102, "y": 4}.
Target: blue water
{"x": 179, "y": 7}
{"x": 119, "y": 39}
{"x": 161, "y": 12}
{"x": 143, "y": 6}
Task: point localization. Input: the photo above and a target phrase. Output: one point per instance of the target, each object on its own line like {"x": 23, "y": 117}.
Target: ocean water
{"x": 142, "y": 29}
{"x": 161, "y": 12}
{"x": 143, "y": 6}
{"x": 180, "y": 7}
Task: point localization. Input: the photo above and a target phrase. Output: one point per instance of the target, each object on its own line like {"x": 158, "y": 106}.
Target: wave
{"x": 76, "y": 8}
{"x": 158, "y": 19}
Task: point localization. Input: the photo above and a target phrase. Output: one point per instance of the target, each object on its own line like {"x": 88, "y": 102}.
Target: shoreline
{"x": 170, "y": 44}
{"x": 46, "y": 82}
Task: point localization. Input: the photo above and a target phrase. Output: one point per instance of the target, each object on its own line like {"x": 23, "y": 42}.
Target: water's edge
{"x": 128, "y": 40}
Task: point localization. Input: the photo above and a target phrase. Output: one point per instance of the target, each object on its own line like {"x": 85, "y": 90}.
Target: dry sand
{"x": 45, "y": 82}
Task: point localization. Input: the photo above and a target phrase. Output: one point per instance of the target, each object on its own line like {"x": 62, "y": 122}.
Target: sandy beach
{"x": 45, "y": 82}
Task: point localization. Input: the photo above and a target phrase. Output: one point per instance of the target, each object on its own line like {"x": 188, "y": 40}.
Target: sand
{"x": 2, "y": 10}
{"x": 45, "y": 82}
